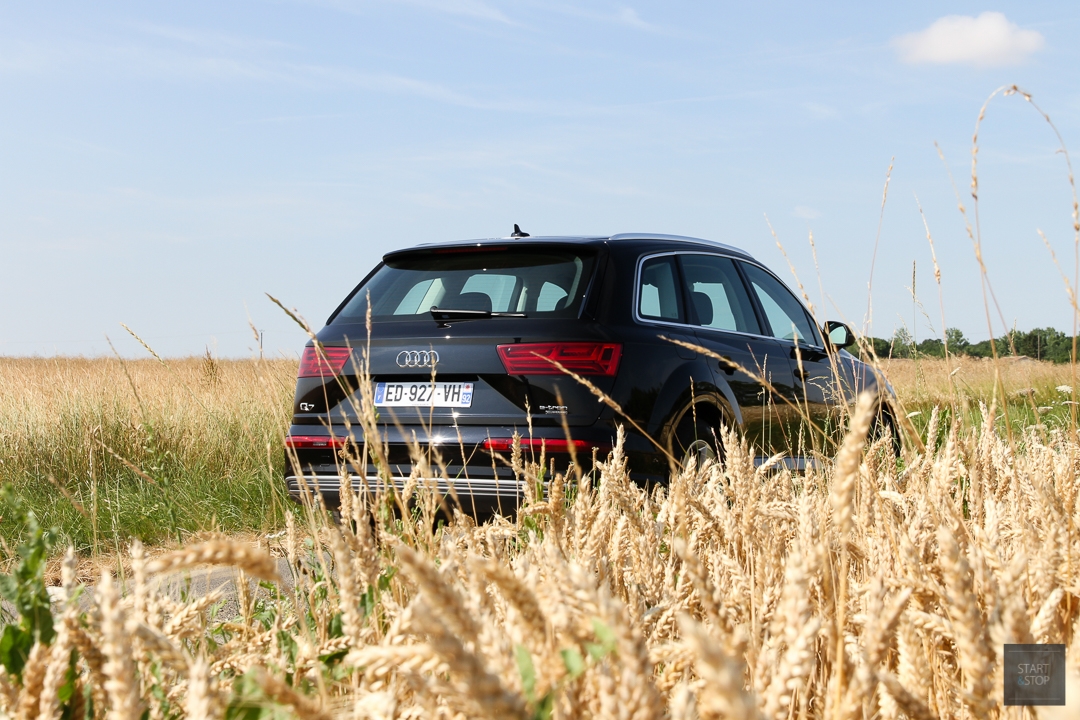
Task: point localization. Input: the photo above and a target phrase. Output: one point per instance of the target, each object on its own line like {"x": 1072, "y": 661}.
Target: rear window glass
{"x": 541, "y": 282}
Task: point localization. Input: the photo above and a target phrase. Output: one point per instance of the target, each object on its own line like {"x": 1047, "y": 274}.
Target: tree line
{"x": 1040, "y": 344}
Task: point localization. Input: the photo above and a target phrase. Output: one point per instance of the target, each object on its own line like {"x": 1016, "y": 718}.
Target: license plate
{"x": 423, "y": 394}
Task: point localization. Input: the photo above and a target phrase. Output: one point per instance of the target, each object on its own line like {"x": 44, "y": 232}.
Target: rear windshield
{"x": 543, "y": 282}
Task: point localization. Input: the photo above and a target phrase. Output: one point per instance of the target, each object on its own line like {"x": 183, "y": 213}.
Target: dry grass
{"x": 933, "y": 381}
{"x": 109, "y": 450}
{"x": 874, "y": 588}
{"x": 1025, "y": 393}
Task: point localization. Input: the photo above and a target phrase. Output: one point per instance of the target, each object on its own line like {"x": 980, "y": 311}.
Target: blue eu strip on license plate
{"x": 423, "y": 394}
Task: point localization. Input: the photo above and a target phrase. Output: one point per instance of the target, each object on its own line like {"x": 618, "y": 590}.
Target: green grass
{"x": 107, "y": 451}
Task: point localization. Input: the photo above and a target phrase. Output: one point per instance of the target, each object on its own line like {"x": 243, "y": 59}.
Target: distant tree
{"x": 932, "y": 347}
{"x": 956, "y": 341}
{"x": 902, "y": 344}
{"x": 981, "y": 349}
{"x": 881, "y": 347}
{"x": 1041, "y": 344}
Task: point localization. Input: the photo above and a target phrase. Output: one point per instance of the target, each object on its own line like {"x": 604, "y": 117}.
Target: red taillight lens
{"x": 551, "y": 444}
{"x": 327, "y": 363}
{"x": 314, "y": 442}
{"x": 583, "y": 358}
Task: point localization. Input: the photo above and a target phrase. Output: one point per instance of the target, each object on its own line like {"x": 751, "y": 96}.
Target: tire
{"x": 695, "y": 438}
{"x": 884, "y": 425}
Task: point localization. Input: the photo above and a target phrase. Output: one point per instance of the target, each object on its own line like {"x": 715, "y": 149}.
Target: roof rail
{"x": 679, "y": 238}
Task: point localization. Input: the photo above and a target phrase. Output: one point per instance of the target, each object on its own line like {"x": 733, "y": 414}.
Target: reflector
{"x": 314, "y": 442}
{"x": 559, "y": 445}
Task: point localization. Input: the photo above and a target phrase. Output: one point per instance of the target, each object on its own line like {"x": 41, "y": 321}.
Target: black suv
{"x": 471, "y": 343}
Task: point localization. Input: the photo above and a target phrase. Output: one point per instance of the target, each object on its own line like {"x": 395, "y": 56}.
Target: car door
{"x": 660, "y": 299}
{"x": 816, "y": 390}
{"x": 726, "y": 323}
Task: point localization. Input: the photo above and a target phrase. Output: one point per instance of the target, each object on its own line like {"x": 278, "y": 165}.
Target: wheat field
{"x": 874, "y": 587}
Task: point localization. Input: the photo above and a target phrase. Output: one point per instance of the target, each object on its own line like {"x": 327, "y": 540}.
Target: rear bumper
{"x": 471, "y": 495}
{"x": 473, "y": 476}
{"x": 477, "y": 476}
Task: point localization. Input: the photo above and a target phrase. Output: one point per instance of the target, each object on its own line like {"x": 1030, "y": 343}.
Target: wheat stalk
{"x": 254, "y": 561}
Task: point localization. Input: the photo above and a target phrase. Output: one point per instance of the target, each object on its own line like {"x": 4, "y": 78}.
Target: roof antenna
{"x": 517, "y": 232}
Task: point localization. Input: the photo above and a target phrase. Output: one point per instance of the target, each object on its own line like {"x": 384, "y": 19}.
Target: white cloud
{"x": 806, "y": 213}
{"x": 626, "y": 16}
{"x": 629, "y": 16}
{"x": 820, "y": 111}
{"x": 208, "y": 38}
{"x": 985, "y": 41}
{"x": 468, "y": 8}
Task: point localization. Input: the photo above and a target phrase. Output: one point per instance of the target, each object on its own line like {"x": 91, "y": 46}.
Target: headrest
{"x": 473, "y": 301}
{"x": 703, "y": 306}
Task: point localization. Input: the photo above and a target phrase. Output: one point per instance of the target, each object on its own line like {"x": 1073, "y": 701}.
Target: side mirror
{"x": 839, "y": 335}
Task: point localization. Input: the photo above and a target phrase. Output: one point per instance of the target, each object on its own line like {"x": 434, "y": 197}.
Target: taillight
{"x": 559, "y": 445}
{"x": 583, "y": 358}
{"x": 325, "y": 363}
{"x": 314, "y": 442}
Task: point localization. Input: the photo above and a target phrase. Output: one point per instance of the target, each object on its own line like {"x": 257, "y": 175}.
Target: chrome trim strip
{"x": 481, "y": 488}
{"x": 685, "y": 326}
{"x": 694, "y": 328}
{"x": 637, "y": 293}
{"x": 795, "y": 464}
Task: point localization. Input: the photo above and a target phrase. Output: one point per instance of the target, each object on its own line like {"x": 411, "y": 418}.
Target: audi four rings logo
{"x": 417, "y": 358}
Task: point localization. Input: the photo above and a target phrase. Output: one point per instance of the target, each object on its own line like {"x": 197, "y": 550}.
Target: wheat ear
{"x": 440, "y": 594}
{"x": 277, "y": 690}
{"x": 475, "y": 681}
{"x": 723, "y": 694}
{"x": 59, "y": 661}
{"x": 121, "y": 685}
{"x": 199, "y": 700}
{"x": 252, "y": 560}
{"x": 33, "y": 677}
{"x": 348, "y": 592}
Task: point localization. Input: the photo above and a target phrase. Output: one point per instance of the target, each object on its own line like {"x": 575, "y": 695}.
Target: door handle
{"x": 726, "y": 365}
{"x": 801, "y": 374}
{"x": 808, "y": 354}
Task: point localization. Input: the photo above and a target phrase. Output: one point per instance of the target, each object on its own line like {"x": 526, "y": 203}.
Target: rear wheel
{"x": 884, "y": 425}
{"x": 697, "y": 437}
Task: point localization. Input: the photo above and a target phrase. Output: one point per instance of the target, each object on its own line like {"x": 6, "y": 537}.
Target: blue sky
{"x": 166, "y": 166}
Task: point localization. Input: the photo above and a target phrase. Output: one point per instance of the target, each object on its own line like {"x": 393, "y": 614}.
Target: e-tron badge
{"x": 417, "y": 358}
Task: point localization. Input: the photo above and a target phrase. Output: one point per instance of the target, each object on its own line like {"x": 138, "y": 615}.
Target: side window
{"x": 718, "y": 294}
{"x": 658, "y": 290}
{"x": 786, "y": 315}
{"x": 551, "y": 295}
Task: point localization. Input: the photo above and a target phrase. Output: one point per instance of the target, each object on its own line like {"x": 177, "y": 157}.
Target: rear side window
{"x": 540, "y": 282}
{"x": 786, "y": 315}
{"x": 718, "y": 294}
{"x": 659, "y": 297}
